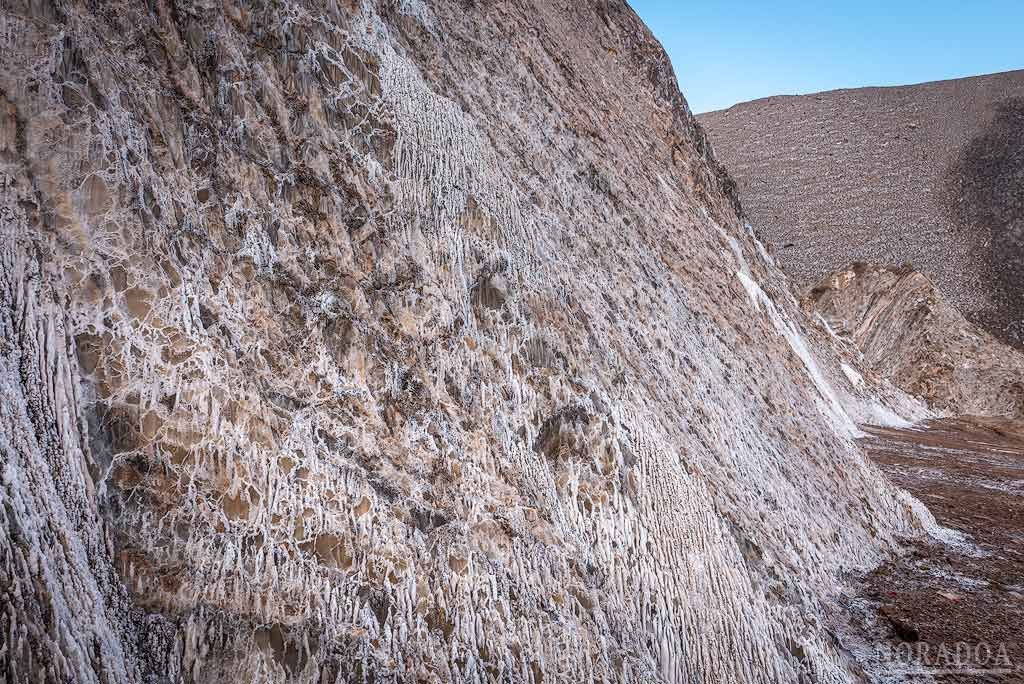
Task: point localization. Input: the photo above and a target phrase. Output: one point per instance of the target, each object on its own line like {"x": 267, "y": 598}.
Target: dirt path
{"x": 950, "y": 613}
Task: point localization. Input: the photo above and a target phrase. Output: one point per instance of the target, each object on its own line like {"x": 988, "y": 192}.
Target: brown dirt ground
{"x": 939, "y": 598}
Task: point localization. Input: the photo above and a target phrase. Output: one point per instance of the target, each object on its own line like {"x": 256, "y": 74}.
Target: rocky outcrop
{"x": 926, "y": 174}
{"x": 909, "y": 334}
{"x": 385, "y": 341}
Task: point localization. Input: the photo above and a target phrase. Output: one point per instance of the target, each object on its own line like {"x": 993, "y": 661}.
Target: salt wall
{"x": 399, "y": 341}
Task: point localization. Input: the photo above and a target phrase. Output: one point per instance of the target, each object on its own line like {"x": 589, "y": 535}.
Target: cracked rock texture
{"x": 929, "y": 174}
{"x": 909, "y": 334}
{"x": 402, "y": 342}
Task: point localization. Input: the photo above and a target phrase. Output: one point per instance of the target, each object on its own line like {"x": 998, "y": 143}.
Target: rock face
{"x": 909, "y": 334}
{"x": 372, "y": 342}
{"x": 927, "y": 174}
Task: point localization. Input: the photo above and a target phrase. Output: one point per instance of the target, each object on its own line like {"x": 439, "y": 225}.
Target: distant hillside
{"x": 931, "y": 174}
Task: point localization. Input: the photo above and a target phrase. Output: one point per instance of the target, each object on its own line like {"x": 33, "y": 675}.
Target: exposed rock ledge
{"x": 908, "y": 333}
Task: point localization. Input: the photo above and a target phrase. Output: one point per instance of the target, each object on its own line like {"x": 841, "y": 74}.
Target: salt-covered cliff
{"x": 401, "y": 341}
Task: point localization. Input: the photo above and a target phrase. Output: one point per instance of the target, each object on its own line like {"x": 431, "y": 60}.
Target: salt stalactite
{"x": 321, "y": 366}
{"x": 451, "y": 181}
{"x": 52, "y": 554}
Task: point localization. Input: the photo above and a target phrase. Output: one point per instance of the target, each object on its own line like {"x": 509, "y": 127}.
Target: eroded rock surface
{"x": 907, "y": 332}
{"x": 395, "y": 341}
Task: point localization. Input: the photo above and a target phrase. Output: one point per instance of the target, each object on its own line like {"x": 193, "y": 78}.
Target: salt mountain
{"x": 386, "y": 341}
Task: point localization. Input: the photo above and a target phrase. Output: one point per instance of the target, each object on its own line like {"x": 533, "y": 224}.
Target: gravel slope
{"x": 928, "y": 174}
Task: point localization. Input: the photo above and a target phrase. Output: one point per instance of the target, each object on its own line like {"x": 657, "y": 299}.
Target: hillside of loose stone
{"x": 927, "y": 174}
{"x": 908, "y": 333}
{"x": 403, "y": 342}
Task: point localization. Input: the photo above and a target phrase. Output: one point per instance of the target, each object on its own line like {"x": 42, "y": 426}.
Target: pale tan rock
{"x": 908, "y": 333}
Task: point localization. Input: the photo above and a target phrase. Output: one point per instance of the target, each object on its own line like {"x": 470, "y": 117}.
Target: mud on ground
{"x": 949, "y": 612}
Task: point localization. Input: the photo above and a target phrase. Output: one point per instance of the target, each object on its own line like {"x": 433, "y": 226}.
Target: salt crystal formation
{"x": 401, "y": 341}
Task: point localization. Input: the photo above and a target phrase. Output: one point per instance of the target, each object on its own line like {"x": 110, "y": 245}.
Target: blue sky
{"x": 729, "y": 52}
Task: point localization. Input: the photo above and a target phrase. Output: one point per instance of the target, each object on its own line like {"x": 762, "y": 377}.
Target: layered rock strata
{"x": 908, "y": 333}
